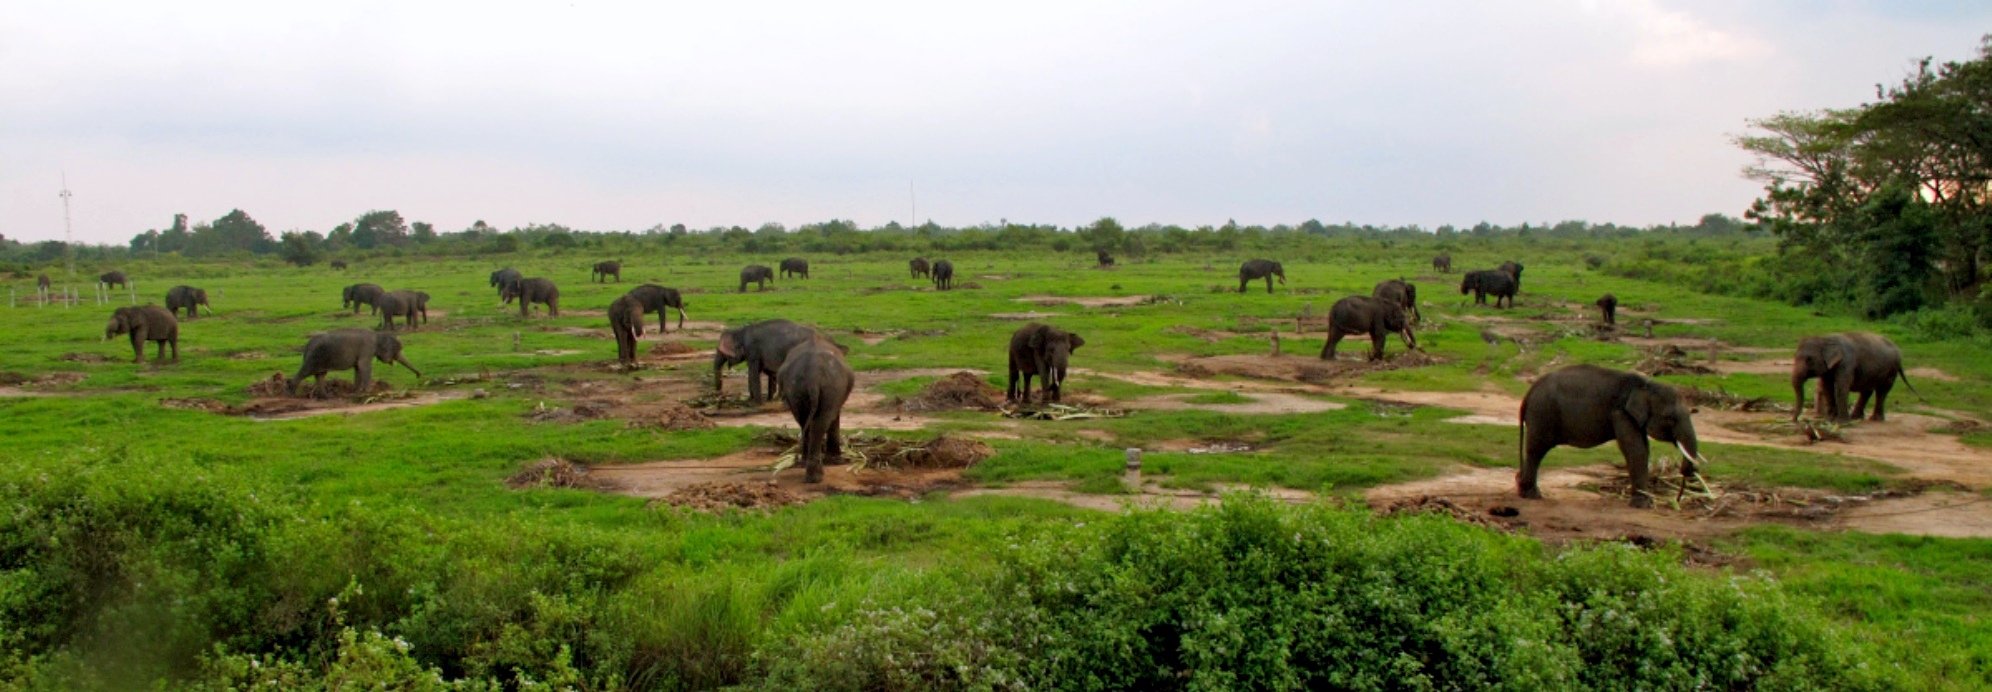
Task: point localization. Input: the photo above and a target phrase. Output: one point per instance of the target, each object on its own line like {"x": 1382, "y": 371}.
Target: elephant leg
{"x": 1242, "y": 283}
{"x": 1632, "y": 444}
{"x": 1010, "y": 392}
{"x": 1860, "y": 406}
{"x": 1376, "y": 345}
{"x": 812, "y": 449}
{"x": 1881, "y": 400}
{"x": 1334, "y": 337}
{"x": 833, "y": 446}
{"x": 754, "y": 382}
{"x": 1535, "y": 445}
{"x": 138, "y": 346}
{"x": 363, "y": 377}
{"x": 1026, "y": 394}
{"x": 553, "y": 308}
{"x": 1269, "y": 284}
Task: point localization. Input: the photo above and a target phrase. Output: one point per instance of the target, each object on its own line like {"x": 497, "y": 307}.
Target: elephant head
{"x": 1665, "y": 416}
{"x": 1396, "y": 320}
{"x": 387, "y": 349}
{"x": 1280, "y": 271}
{"x": 1055, "y": 347}
{"x": 122, "y": 321}
{"x": 1824, "y": 358}
{"x": 729, "y": 353}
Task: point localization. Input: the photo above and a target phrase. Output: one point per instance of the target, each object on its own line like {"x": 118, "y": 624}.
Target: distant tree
{"x": 1104, "y": 235}
{"x": 423, "y": 232}
{"x": 301, "y": 249}
{"x": 233, "y": 232}
{"x": 677, "y": 229}
{"x": 377, "y": 228}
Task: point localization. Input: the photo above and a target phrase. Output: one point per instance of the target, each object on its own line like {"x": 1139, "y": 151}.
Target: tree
{"x": 378, "y": 228}
{"x": 424, "y": 232}
{"x": 1104, "y": 235}
{"x": 301, "y": 249}
{"x": 235, "y": 231}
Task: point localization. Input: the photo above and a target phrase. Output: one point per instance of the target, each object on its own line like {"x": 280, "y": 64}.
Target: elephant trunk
{"x": 1798, "y": 389}
{"x": 403, "y": 360}
{"x": 1690, "y": 453}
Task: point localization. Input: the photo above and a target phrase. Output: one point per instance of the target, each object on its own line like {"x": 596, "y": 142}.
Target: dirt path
{"x": 1084, "y": 301}
{"x": 1261, "y": 403}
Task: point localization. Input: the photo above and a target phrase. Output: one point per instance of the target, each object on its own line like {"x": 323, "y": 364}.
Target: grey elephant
{"x": 762, "y": 346}
{"x": 1043, "y": 351}
{"x": 534, "y": 290}
{"x": 349, "y": 348}
{"x": 407, "y": 305}
{"x": 1584, "y": 406}
{"x": 758, "y": 274}
{"x": 145, "y": 323}
{"x": 919, "y": 267}
{"x": 187, "y": 297}
{"x": 795, "y": 266}
{"x": 626, "y": 323}
{"x": 339, "y": 265}
{"x": 1489, "y": 282}
{"x": 1260, "y": 269}
{"x": 1101, "y": 258}
{"x": 112, "y": 278}
{"x": 655, "y": 298}
{"x": 1608, "y": 306}
{"x": 1443, "y": 263}
{"x": 943, "y": 275}
{"x": 604, "y": 270}
{"x": 504, "y": 279}
{"x": 361, "y": 294}
{"x": 1849, "y": 362}
{"x": 815, "y": 383}
{"x": 1401, "y": 292}
{"x": 1363, "y": 315}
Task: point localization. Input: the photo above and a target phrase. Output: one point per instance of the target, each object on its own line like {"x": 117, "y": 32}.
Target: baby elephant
{"x": 1376, "y": 317}
{"x": 815, "y": 382}
{"x": 187, "y": 297}
{"x": 349, "y": 348}
{"x": 145, "y": 323}
{"x": 1852, "y": 362}
{"x": 1609, "y": 305}
{"x": 1585, "y": 406}
{"x": 1040, "y": 350}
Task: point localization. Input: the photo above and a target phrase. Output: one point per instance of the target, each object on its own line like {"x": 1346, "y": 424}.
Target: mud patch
{"x": 1209, "y": 336}
{"x": 1085, "y": 301}
{"x": 723, "y": 496}
{"x": 662, "y": 478}
{"x": 671, "y": 416}
{"x": 872, "y": 451}
{"x": 1670, "y": 360}
{"x": 957, "y": 391}
{"x": 551, "y": 473}
{"x": 21, "y": 382}
{"x": 1299, "y": 368}
{"x": 674, "y": 348}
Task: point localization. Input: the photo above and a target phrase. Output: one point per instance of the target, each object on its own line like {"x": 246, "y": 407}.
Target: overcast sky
{"x": 623, "y": 115}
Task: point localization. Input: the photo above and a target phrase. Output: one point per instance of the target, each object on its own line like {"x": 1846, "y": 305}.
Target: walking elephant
{"x": 187, "y": 297}
{"x": 1849, "y": 362}
{"x": 535, "y": 290}
{"x": 504, "y": 279}
{"x": 604, "y": 270}
{"x": 762, "y": 346}
{"x": 1608, "y": 307}
{"x": 112, "y": 278}
{"x": 1260, "y": 269}
{"x": 1401, "y": 292}
{"x": 919, "y": 267}
{"x": 1489, "y": 282}
{"x": 1043, "y": 351}
{"x": 756, "y": 274}
{"x": 815, "y": 383}
{"x": 407, "y": 305}
{"x": 340, "y": 349}
{"x": 1443, "y": 263}
{"x": 943, "y": 275}
{"x": 1584, "y": 406}
{"x": 1376, "y": 317}
{"x": 362, "y": 294}
{"x": 626, "y": 323}
{"x": 655, "y": 298}
{"x": 795, "y": 266}
{"x": 1514, "y": 270}
{"x": 145, "y": 323}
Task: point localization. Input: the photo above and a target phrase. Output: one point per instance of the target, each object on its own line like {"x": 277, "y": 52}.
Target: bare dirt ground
{"x": 1262, "y": 403}
{"x": 1084, "y": 301}
{"x": 272, "y": 408}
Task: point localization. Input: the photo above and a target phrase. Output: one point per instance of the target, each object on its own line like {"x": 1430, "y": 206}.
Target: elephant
{"x": 1377, "y": 317}
{"x": 1857, "y": 362}
{"x": 1401, "y": 292}
{"x": 407, "y": 305}
{"x": 1260, "y": 269}
{"x": 1584, "y": 406}
{"x": 42, "y": 283}
{"x": 187, "y": 297}
{"x": 795, "y": 266}
{"x": 505, "y": 278}
{"x": 339, "y": 265}
{"x": 534, "y": 290}
{"x": 1608, "y": 304}
{"x": 626, "y": 322}
{"x": 1443, "y": 263}
{"x": 1514, "y": 269}
{"x": 1104, "y": 259}
{"x": 762, "y": 346}
{"x": 1040, "y": 350}
{"x": 756, "y": 274}
{"x": 919, "y": 267}
{"x": 145, "y": 323}
{"x": 349, "y": 348}
{"x": 654, "y": 298}
{"x": 943, "y": 275}
{"x": 815, "y": 382}
{"x": 362, "y": 294}
{"x": 606, "y": 269}
{"x": 113, "y": 278}
{"x": 1488, "y": 282}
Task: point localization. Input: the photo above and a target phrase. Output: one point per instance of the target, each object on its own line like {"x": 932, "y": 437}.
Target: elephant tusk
{"x": 1690, "y": 457}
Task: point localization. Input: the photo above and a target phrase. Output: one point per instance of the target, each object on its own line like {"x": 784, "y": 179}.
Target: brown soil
{"x": 1927, "y": 374}
{"x": 671, "y": 415}
{"x": 659, "y": 479}
{"x": 673, "y": 348}
{"x": 19, "y": 382}
{"x": 717, "y": 496}
{"x": 552, "y": 473}
{"x": 1262, "y": 403}
{"x": 1084, "y": 301}
{"x": 286, "y": 407}
{"x": 577, "y": 412}
{"x": 1299, "y": 368}
{"x": 1151, "y": 495}
{"x": 1942, "y": 513}
{"x": 1669, "y": 360}
{"x": 959, "y": 390}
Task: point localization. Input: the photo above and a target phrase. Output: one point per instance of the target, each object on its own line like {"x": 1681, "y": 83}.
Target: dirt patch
{"x": 1085, "y": 301}
{"x": 1261, "y": 403}
{"x": 873, "y": 451}
{"x": 671, "y": 416}
{"x": 660, "y": 479}
{"x": 1430, "y": 504}
{"x": 1299, "y": 368}
{"x": 42, "y": 381}
{"x": 575, "y": 413}
{"x": 1150, "y": 495}
{"x": 1943, "y": 513}
{"x": 673, "y": 348}
{"x": 956, "y": 391}
{"x": 1670, "y": 360}
{"x": 1209, "y": 336}
{"x": 722, "y": 496}
{"x": 551, "y": 473}
{"x": 85, "y": 358}
{"x": 286, "y": 407}
{"x": 1932, "y": 374}
{"x": 1032, "y": 315}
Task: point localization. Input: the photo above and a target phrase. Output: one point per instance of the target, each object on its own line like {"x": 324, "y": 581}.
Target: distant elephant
{"x": 626, "y": 323}
{"x": 795, "y": 266}
{"x": 1376, "y": 317}
{"x": 145, "y": 323}
{"x": 362, "y": 294}
{"x": 1260, "y": 269}
{"x": 187, "y": 297}
{"x": 1104, "y": 259}
{"x": 919, "y": 267}
{"x": 815, "y": 382}
{"x": 535, "y": 290}
{"x": 1443, "y": 263}
{"x": 1043, "y": 351}
{"x": 349, "y": 348}
{"x": 943, "y": 275}
{"x": 41, "y": 283}
{"x": 655, "y": 298}
{"x": 1401, "y": 292}
{"x": 1608, "y": 304}
{"x": 1584, "y": 406}
{"x": 1488, "y": 282}
{"x": 604, "y": 270}
{"x": 339, "y": 265}
{"x": 756, "y": 274}
{"x": 1514, "y": 269}
{"x": 407, "y": 305}
{"x": 505, "y": 278}
{"x": 762, "y": 346}
{"x": 112, "y": 278}
{"x": 1856, "y": 362}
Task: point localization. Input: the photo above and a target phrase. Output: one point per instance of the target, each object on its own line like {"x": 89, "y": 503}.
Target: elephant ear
{"x": 1036, "y": 340}
{"x": 729, "y": 345}
{"x": 1639, "y": 404}
{"x": 1834, "y": 356}
{"x": 1077, "y": 342}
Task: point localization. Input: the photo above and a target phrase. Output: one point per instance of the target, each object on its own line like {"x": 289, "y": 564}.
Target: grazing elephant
{"x": 349, "y": 348}
{"x": 42, "y": 283}
{"x": 1260, "y": 269}
{"x": 815, "y": 383}
{"x": 795, "y": 266}
{"x": 943, "y": 275}
{"x": 756, "y": 274}
{"x": 1858, "y": 362}
{"x": 1443, "y": 263}
{"x": 1609, "y": 305}
{"x": 762, "y": 346}
{"x": 407, "y": 305}
{"x": 1513, "y": 269}
{"x": 339, "y": 265}
{"x": 1488, "y": 282}
{"x": 919, "y": 267}
{"x": 187, "y": 297}
{"x": 1401, "y": 292}
{"x": 145, "y": 323}
{"x": 535, "y": 290}
{"x": 604, "y": 270}
{"x": 112, "y": 278}
{"x": 626, "y": 323}
{"x": 1377, "y": 317}
{"x": 654, "y": 298}
{"x": 1584, "y": 406}
{"x": 504, "y": 279}
{"x": 1043, "y": 351}
{"x": 1103, "y": 258}
{"x": 362, "y": 294}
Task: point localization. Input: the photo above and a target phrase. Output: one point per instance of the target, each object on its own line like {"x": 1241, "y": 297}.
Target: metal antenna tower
{"x": 68, "y": 233}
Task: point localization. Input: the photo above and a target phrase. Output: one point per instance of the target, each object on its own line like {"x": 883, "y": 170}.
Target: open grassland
{"x": 147, "y": 542}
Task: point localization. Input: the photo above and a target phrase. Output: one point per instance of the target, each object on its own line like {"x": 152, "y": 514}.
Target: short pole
{"x": 133, "y": 289}
{"x": 1133, "y": 476}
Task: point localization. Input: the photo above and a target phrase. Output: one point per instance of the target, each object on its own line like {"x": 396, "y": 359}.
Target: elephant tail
{"x": 1904, "y": 374}
{"x": 1522, "y": 434}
